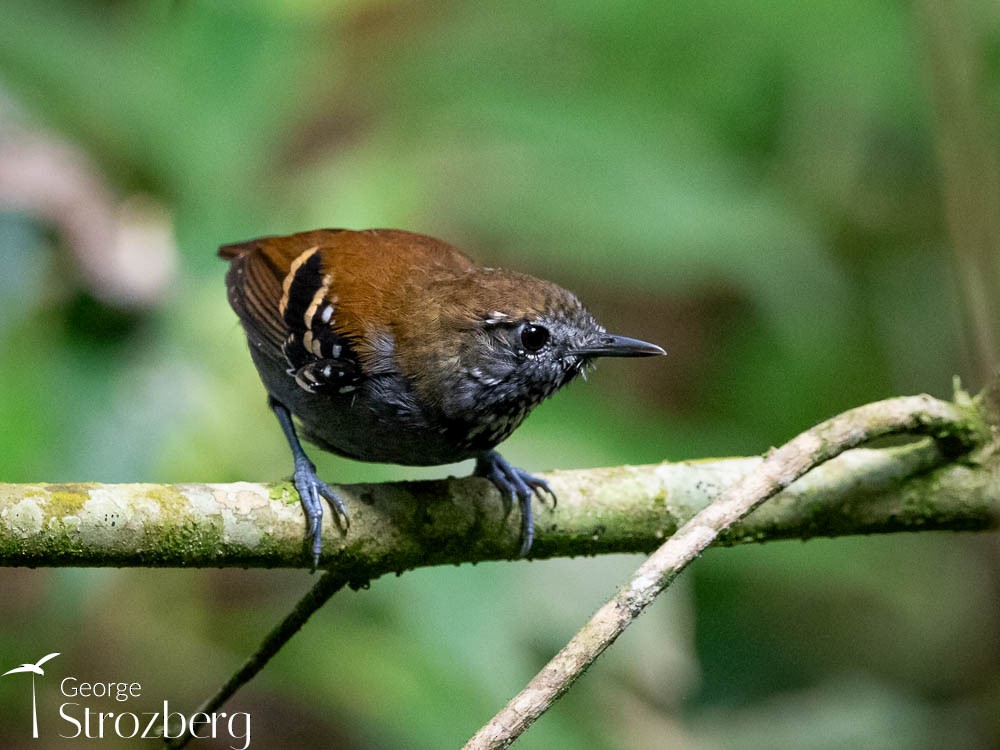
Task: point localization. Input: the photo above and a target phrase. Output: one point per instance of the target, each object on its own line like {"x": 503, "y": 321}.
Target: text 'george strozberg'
{"x": 85, "y": 721}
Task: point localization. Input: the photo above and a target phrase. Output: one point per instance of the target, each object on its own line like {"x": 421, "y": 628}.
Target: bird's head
{"x": 501, "y": 342}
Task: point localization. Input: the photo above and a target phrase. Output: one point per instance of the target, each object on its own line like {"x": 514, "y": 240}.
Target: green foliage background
{"x": 754, "y": 185}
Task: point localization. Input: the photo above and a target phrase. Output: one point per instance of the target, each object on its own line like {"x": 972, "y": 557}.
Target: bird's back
{"x": 365, "y": 276}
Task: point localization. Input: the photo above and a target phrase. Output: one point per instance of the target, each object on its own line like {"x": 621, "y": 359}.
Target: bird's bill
{"x": 609, "y": 345}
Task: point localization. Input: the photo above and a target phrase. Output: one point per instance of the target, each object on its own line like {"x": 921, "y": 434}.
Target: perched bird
{"x": 395, "y": 347}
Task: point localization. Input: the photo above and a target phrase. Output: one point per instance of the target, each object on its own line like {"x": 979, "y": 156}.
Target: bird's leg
{"x": 309, "y": 485}
{"x": 515, "y": 483}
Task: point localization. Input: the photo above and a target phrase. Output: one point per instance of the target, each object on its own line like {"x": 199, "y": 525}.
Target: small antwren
{"x": 395, "y": 347}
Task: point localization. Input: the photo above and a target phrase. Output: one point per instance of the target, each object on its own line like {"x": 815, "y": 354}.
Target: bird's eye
{"x": 534, "y": 337}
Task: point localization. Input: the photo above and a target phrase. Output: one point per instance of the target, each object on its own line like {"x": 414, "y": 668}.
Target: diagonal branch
{"x": 920, "y": 414}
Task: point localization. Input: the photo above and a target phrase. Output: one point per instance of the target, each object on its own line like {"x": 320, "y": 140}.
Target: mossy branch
{"x": 404, "y": 525}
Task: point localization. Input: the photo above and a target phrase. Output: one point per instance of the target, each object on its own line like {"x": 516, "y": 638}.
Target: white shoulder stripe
{"x": 286, "y": 285}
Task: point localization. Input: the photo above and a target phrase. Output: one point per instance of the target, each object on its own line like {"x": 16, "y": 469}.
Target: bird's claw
{"x": 516, "y": 483}
{"x": 311, "y": 488}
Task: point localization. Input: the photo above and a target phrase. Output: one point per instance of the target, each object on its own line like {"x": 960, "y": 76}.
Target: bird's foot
{"x": 311, "y": 488}
{"x": 515, "y": 483}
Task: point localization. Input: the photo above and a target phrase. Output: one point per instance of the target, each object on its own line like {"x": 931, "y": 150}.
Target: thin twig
{"x": 920, "y": 414}
{"x": 956, "y": 46}
{"x": 328, "y": 585}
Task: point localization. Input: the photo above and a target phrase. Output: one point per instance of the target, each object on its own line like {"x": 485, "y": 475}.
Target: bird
{"x": 395, "y": 347}
{"x": 35, "y": 668}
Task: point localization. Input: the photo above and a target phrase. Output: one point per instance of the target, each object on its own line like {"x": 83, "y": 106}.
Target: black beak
{"x": 608, "y": 345}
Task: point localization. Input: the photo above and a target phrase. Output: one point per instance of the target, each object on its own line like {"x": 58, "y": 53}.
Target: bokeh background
{"x": 798, "y": 200}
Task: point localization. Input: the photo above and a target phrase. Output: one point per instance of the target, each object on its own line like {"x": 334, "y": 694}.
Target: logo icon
{"x": 35, "y": 668}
